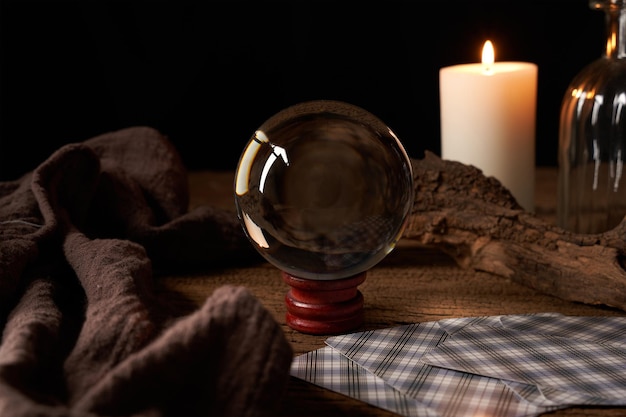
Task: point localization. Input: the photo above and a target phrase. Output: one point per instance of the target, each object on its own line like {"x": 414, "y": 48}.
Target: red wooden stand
{"x": 324, "y": 306}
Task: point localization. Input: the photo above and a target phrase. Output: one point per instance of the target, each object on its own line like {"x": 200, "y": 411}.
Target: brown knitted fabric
{"x": 84, "y": 334}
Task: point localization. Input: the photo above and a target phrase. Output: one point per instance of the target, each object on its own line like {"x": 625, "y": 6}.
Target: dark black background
{"x": 208, "y": 73}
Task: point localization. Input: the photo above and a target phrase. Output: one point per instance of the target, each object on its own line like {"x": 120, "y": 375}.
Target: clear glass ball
{"x": 323, "y": 190}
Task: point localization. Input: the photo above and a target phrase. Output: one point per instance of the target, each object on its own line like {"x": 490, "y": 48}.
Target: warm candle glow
{"x": 488, "y": 56}
{"x": 488, "y": 120}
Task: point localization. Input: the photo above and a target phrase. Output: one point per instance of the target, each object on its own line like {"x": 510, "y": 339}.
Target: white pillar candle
{"x": 488, "y": 117}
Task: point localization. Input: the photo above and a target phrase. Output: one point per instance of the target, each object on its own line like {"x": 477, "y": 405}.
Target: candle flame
{"x": 488, "y": 56}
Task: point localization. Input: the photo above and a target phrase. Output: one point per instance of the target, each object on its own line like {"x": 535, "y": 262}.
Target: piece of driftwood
{"x": 477, "y": 221}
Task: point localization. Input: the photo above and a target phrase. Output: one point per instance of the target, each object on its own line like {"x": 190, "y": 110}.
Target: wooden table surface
{"x": 410, "y": 285}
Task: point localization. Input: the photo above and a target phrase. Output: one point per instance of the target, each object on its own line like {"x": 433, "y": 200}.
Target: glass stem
{"x": 615, "y": 23}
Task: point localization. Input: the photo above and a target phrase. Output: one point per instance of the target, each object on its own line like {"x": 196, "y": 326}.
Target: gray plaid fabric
{"x": 566, "y": 360}
{"x": 508, "y": 366}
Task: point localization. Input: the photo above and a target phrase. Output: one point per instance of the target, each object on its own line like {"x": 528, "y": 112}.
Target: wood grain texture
{"x": 415, "y": 283}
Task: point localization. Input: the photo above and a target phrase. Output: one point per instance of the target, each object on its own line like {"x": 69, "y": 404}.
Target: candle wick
{"x": 488, "y": 58}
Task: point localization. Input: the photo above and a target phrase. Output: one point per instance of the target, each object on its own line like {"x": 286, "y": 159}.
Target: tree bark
{"x": 478, "y": 222}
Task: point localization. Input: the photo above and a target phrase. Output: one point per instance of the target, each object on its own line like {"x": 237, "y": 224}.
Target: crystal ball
{"x": 323, "y": 190}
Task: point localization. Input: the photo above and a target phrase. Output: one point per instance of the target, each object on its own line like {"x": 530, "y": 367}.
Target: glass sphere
{"x": 323, "y": 190}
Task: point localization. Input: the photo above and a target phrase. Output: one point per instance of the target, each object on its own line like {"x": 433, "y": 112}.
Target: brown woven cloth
{"x": 84, "y": 333}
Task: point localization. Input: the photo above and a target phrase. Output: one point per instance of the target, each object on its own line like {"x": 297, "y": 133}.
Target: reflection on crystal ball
{"x": 323, "y": 190}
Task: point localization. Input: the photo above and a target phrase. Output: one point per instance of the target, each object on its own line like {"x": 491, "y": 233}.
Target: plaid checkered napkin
{"x": 385, "y": 368}
{"x": 329, "y": 369}
{"x": 547, "y": 359}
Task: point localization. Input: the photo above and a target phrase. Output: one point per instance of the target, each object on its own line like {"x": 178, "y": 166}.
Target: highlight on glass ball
{"x": 323, "y": 190}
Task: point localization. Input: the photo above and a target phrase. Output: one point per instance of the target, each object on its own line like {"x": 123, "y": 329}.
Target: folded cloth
{"x": 84, "y": 333}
